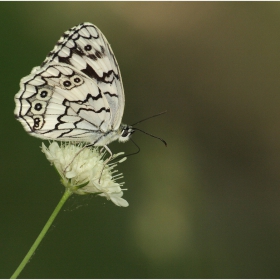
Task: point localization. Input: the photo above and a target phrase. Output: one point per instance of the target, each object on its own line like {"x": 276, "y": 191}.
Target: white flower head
{"x": 80, "y": 169}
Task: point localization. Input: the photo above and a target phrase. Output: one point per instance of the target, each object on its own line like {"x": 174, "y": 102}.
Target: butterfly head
{"x": 125, "y": 132}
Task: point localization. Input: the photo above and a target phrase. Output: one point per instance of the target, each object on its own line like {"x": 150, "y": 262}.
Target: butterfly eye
{"x": 38, "y": 107}
{"x": 124, "y": 133}
{"x": 44, "y": 94}
{"x": 38, "y": 122}
{"x": 76, "y": 80}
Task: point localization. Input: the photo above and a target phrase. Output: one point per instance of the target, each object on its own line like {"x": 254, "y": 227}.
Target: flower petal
{"x": 85, "y": 164}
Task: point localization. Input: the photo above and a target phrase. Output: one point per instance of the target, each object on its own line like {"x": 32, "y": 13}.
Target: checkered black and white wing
{"x": 58, "y": 102}
{"x": 86, "y": 49}
{"x": 77, "y": 93}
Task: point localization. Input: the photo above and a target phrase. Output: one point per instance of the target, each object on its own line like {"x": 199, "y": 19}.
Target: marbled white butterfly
{"x": 77, "y": 93}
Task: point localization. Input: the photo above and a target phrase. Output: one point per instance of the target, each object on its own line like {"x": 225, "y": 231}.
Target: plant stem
{"x": 65, "y": 196}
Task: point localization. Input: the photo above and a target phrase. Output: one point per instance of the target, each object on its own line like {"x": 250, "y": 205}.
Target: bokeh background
{"x": 206, "y": 206}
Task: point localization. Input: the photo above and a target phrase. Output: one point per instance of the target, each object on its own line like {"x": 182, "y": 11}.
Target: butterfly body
{"x": 77, "y": 92}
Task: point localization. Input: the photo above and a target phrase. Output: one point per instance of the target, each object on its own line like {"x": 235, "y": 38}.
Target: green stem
{"x": 42, "y": 234}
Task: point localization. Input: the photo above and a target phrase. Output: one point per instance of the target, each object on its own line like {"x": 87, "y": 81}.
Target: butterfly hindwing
{"x": 59, "y": 102}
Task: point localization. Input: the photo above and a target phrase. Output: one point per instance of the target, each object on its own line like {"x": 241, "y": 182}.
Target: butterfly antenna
{"x": 150, "y": 118}
{"x": 163, "y": 141}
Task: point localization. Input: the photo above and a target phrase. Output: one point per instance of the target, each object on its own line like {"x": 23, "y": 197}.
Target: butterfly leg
{"x": 86, "y": 146}
{"x": 106, "y": 161}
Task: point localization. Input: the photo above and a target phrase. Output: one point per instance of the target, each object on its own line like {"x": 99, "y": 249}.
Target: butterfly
{"x": 77, "y": 93}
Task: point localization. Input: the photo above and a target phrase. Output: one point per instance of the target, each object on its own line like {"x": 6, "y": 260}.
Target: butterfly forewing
{"x": 86, "y": 49}
{"x": 77, "y": 93}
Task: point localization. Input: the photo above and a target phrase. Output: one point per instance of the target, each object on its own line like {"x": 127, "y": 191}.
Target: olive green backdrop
{"x": 208, "y": 205}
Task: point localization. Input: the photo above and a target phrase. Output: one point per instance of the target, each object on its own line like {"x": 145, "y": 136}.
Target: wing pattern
{"x": 77, "y": 93}
{"x": 86, "y": 49}
{"x": 61, "y": 103}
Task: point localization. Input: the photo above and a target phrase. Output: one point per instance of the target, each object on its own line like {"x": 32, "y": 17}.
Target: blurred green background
{"x": 206, "y": 206}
